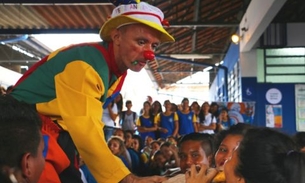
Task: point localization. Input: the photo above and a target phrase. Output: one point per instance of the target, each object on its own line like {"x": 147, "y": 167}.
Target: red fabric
{"x": 109, "y": 57}
{"x": 56, "y": 159}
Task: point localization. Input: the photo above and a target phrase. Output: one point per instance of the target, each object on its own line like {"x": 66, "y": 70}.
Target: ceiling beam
{"x": 200, "y": 24}
{"x": 53, "y": 2}
{"x": 22, "y": 61}
{"x": 96, "y": 30}
{"x": 49, "y": 31}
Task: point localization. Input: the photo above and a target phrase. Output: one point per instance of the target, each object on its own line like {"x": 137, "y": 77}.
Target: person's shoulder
{"x": 132, "y": 152}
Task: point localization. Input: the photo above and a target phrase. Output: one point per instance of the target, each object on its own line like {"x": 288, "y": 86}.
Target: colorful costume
{"x": 79, "y": 74}
{"x": 68, "y": 89}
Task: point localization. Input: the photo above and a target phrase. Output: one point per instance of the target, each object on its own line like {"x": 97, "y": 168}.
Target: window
{"x": 234, "y": 84}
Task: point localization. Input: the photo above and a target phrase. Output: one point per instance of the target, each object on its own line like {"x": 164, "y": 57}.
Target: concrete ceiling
{"x": 199, "y": 26}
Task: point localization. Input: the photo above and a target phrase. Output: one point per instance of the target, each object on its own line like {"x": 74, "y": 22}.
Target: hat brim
{"x": 115, "y": 22}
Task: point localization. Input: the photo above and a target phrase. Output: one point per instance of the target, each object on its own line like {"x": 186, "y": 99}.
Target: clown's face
{"x": 131, "y": 43}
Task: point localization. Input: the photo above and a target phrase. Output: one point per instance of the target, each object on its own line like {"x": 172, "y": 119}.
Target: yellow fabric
{"x": 138, "y": 122}
{"x": 176, "y": 118}
{"x": 144, "y": 158}
{"x": 83, "y": 121}
{"x": 194, "y": 118}
{"x": 115, "y": 22}
{"x": 158, "y": 118}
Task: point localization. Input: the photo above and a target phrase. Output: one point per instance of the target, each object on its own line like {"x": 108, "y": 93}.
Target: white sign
{"x": 273, "y": 96}
{"x": 300, "y": 106}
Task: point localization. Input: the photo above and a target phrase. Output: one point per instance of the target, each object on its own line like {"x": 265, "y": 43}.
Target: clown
{"x": 70, "y": 86}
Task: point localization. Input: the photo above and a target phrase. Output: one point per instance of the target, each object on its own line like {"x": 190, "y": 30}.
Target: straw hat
{"x": 136, "y": 13}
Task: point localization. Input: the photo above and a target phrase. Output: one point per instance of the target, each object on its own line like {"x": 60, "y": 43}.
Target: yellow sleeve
{"x": 144, "y": 158}
{"x": 81, "y": 110}
{"x": 138, "y": 123}
{"x": 176, "y": 116}
{"x": 194, "y": 118}
{"x": 157, "y": 119}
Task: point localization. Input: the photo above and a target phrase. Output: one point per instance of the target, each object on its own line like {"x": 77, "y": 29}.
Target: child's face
{"x": 191, "y": 152}
{"x": 168, "y": 106}
{"x": 160, "y": 160}
{"x": 148, "y": 140}
{"x": 114, "y": 146}
{"x": 119, "y": 133}
{"x": 224, "y": 113}
{"x": 155, "y": 147}
{"x": 167, "y": 152}
{"x": 146, "y": 107}
{"x": 128, "y": 140}
{"x": 128, "y": 106}
{"x": 225, "y": 150}
{"x": 206, "y": 107}
{"x": 136, "y": 145}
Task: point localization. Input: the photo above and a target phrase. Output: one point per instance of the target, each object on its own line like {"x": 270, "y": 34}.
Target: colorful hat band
{"x": 145, "y": 15}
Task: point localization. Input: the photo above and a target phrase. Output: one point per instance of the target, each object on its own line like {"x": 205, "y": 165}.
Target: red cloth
{"x": 56, "y": 159}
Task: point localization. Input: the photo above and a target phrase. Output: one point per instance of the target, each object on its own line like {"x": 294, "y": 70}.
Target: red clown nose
{"x": 149, "y": 55}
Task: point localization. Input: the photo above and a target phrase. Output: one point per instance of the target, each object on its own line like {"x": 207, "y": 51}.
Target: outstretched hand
{"x": 205, "y": 175}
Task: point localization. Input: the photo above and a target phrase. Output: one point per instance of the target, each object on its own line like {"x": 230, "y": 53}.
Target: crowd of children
{"x": 234, "y": 151}
{"x": 169, "y": 142}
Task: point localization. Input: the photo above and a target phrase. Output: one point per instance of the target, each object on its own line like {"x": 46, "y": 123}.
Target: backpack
{"x": 124, "y": 113}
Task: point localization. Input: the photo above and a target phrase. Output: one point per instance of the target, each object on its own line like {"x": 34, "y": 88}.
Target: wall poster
{"x": 274, "y": 117}
{"x": 300, "y": 106}
{"x": 240, "y": 112}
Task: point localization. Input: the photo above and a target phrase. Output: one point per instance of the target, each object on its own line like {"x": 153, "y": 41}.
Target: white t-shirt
{"x": 106, "y": 117}
{"x": 207, "y": 121}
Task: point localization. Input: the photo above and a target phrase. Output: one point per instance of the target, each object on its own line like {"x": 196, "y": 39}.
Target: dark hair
{"x": 195, "y": 103}
{"x": 174, "y": 107}
{"x": 264, "y": 155}
{"x": 19, "y": 131}
{"x": 215, "y": 113}
{"x": 158, "y": 152}
{"x": 128, "y": 102}
{"x": 165, "y": 101}
{"x": 156, "y": 102}
{"x": 140, "y": 140}
{"x": 9, "y": 89}
{"x": 214, "y": 104}
{"x": 128, "y": 131}
{"x": 165, "y": 144}
{"x": 201, "y": 114}
{"x": 185, "y": 99}
{"x": 207, "y": 141}
{"x": 294, "y": 166}
{"x": 120, "y": 103}
{"x": 299, "y": 139}
{"x": 155, "y": 142}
